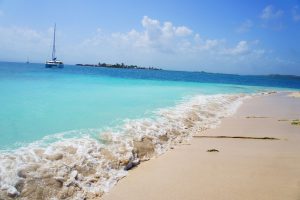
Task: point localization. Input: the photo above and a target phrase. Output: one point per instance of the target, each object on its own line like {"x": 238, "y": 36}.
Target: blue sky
{"x": 232, "y": 36}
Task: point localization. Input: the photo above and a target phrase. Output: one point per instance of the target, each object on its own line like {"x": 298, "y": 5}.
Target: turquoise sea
{"x": 36, "y": 102}
{"x": 85, "y": 126}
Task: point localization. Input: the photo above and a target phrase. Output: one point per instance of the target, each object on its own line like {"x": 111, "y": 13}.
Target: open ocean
{"x": 47, "y": 110}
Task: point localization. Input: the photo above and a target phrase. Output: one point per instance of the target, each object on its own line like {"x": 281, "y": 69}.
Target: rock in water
{"x": 12, "y": 192}
{"x": 23, "y": 173}
{"x": 53, "y": 157}
{"x": 163, "y": 138}
{"x": 132, "y": 163}
{"x": 144, "y": 148}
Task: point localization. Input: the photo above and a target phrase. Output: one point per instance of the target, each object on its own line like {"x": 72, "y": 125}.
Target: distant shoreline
{"x": 117, "y": 65}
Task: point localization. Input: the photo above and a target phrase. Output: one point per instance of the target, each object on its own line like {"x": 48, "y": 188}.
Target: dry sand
{"x": 295, "y": 94}
{"x": 242, "y": 169}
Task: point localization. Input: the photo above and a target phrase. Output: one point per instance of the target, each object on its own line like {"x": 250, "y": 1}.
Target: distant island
{"x": 117, "y": 65}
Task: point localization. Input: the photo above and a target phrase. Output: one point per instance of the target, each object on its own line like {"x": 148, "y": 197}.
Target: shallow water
{"x": 37, "y": 102}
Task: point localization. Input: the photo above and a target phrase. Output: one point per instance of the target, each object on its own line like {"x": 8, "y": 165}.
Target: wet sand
{"x": 242, "y": 169}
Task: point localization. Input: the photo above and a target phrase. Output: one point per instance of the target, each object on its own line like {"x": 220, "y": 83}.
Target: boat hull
{"x": 54, "y": 65}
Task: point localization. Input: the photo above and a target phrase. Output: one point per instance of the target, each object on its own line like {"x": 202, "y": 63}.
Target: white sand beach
{"x": 242, "y": 169}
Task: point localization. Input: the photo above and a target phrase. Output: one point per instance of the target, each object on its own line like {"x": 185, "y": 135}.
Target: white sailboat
{"x": 54, "y": 62}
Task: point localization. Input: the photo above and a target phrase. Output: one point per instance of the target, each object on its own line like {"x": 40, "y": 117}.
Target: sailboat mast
{"x": 53, "y": 50}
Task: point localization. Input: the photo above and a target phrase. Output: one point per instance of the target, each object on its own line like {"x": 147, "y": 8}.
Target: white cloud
{"x": 272, "y": 18}
{"x": 23, "y": 42}
{"x": 285, "y": 62}
{"x": 183, "y": 31}
{"x": 165, "y": 38}
{"x": 269, "y": 12}
{"x": 296, "y": 14}
{"x": 148, "y": 22}
{"x": 210, "y": 44}
{"x": 245, "y": 26}
{"x": 241, "y": 48}
{"x": 155, "y": 36}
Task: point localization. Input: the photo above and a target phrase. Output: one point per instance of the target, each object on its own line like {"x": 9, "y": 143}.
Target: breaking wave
{"x": 87, "y": 166}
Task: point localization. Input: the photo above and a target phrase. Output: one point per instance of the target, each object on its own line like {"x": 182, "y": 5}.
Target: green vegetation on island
{"x": 117, "y": 65}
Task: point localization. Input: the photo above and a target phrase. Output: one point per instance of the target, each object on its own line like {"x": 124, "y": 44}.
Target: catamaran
{"x": 54, "y": 62}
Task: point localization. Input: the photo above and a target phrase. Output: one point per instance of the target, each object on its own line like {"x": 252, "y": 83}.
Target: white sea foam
{"x": 74, "y": 168}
